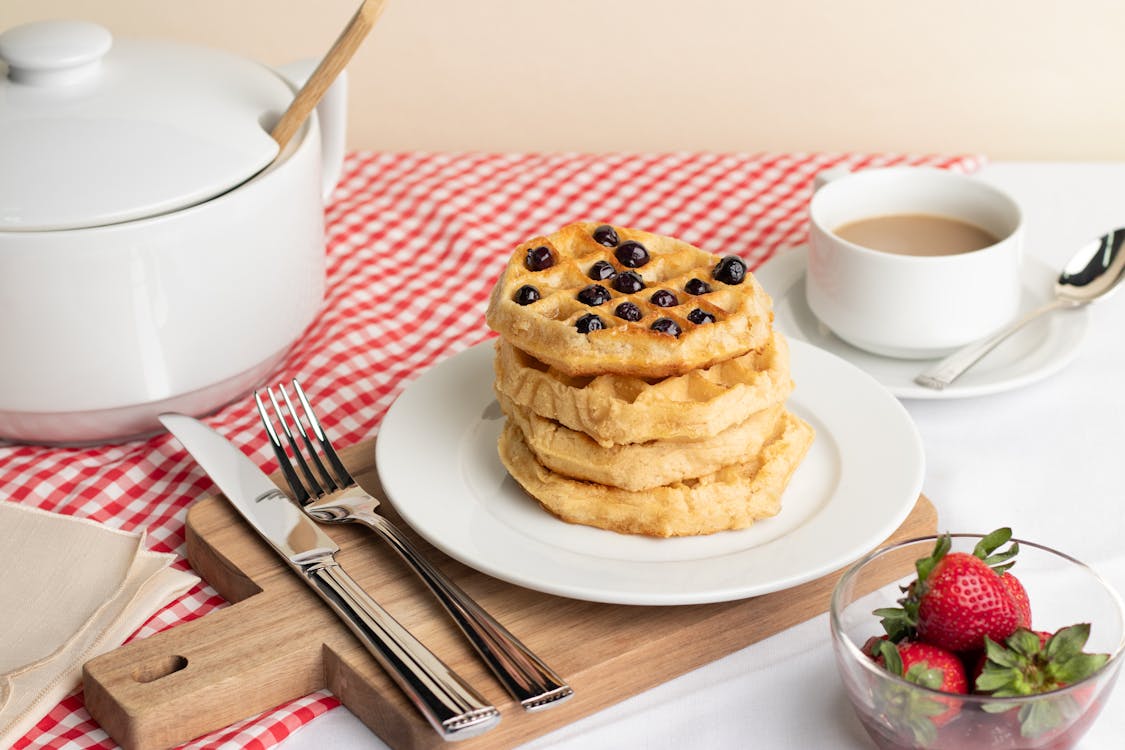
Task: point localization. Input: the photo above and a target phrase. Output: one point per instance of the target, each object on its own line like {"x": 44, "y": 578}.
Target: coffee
{"x": 916, "y": 234}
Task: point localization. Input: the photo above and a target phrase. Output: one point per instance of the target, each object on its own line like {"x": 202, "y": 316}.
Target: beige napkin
{"x": 70, "y": 589}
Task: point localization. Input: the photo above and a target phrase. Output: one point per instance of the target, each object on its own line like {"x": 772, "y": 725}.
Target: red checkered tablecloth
{"x": 415, "y": 242}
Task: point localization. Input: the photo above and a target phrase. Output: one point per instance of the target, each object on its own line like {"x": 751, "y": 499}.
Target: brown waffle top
{"x": 593, "y": 299}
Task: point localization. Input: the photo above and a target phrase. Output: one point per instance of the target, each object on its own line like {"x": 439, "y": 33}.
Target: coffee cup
{"x": 913, "y": 262}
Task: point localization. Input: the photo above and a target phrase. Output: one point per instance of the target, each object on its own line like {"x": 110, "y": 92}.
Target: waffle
{"x": 615, "y": 409}
{"x": 723, "y": 319}
{"x": 639, "y": 466}
{"x": 732, "y": 498}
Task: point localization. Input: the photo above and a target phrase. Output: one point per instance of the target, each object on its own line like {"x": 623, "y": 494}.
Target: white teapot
{"x": 156, "y": 252}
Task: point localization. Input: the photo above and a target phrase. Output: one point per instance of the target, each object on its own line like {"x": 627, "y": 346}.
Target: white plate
{"x": 1042, "y": 348}
{"x": 437, "y": 461}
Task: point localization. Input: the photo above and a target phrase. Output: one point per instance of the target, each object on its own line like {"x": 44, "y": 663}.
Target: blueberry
{"x": 589, "y": 322}
{"x": 629, "y": 282}
{"x": 631, "y": 254}
{"x": 628, "y": 311}
{"x": 594, "y": 295}
{"x": 606, "y": 235}
{"x": 539, "y": 258}
{"x": 697, "y": 287}
{"x": 666, "y": 325}
{"x": 601, "y": 271}
{"x": 664, "y": 298}
{"x": 730, "y": 270}
{"x": 526, "y": 294}
{"x": 699, "y": 317}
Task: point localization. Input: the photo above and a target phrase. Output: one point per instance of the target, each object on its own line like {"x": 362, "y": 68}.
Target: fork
{"x": 335, "y": 497}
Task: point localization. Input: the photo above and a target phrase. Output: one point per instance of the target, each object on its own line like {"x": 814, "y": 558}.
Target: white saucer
{"x": 1041, "y": 349}
{"x": 437, "y": 461}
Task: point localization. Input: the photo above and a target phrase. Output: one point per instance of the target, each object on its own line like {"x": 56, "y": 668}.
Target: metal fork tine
{"x": 300, "y": 494}
{"x": 312, "y": 486}
{"x": 329, "y": 451}
{"x": 332, "y": 485}
{"x": 526, "y": 677}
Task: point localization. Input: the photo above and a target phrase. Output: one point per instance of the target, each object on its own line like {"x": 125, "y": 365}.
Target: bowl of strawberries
{"x": 983, "y": 641}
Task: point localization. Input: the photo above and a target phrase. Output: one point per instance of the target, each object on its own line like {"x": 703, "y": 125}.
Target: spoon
{"x": 334, "y": 61}
{"x": 1094, "y": 271}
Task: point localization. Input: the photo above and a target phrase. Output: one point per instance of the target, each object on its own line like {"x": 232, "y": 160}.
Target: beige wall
{"x": 1014, "y": 79}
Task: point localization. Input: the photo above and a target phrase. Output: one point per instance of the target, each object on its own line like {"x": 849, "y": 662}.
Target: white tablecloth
{"x": 1046, "y": 459}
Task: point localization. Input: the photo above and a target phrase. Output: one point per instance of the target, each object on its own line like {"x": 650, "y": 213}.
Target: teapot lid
{"x": 96, "y": 130}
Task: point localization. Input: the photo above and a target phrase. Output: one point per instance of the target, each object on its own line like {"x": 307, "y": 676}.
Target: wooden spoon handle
{"x": 334, "y": 61}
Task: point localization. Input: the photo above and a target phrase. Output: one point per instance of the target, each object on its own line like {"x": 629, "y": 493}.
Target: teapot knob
{"x": 47, "y": 53}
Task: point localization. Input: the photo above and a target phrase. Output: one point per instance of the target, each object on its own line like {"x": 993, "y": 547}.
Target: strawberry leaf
{"x": 996, "y": 681}
{"x": 1039, "y": 717}
{"x": 892, "y": 660}
{"x": 922, "y": 674}
{"x": 1025, "y": 643}
{"x": 1068, "y": 642}
{"x": 991, "y": 542}
{"x": 1077, "y": 667}
{"x": 896, "y": 622}
{"x": 925, "y": 565}
{"x": 996, "y": 708}
{"x": 999, "y": 655}
{"x": 1002, "y": 561}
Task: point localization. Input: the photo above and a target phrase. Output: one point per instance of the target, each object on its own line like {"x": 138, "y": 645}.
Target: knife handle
{"x": 448, "y": 703}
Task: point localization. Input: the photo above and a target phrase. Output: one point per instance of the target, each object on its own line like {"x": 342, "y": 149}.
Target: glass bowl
{"x": 901, "y": 714}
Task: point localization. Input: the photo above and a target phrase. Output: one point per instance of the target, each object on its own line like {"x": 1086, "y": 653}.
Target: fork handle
{"x": 524, "y": 675}
{"x": 449, "y": 704}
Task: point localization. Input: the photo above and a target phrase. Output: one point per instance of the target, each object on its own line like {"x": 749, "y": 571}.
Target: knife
{"x": 448, "y": 703}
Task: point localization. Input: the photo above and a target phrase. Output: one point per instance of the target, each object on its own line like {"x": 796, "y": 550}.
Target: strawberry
{"x": 924, "y": 664}
{"x": 1033, "y": 662}
{"x": 964, "y": 602}
{"x": 870, "y": 647}
{"x": 958, "y": 598}
{"x": 1019, "y": 596}
{"x": 978, "y": 659}
{"x": 928, "y": 666}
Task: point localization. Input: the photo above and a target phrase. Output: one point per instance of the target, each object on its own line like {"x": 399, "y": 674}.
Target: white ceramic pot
{"x": 121, "y": 301}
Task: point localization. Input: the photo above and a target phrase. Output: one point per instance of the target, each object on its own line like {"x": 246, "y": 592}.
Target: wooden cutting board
{"x": 278, "y": 641}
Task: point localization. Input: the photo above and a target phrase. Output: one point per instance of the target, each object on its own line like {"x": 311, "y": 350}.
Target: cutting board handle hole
{"x": 158, "y": 668}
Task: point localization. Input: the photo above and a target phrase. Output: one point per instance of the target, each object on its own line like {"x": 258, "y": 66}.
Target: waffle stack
{"x": 643, "y": 384}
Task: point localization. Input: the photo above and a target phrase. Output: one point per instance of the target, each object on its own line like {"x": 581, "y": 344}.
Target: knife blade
{"x": 447, "y": 702}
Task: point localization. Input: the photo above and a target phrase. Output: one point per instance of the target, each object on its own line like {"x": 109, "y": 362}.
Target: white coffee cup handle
{"x": 828, "y": 175}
